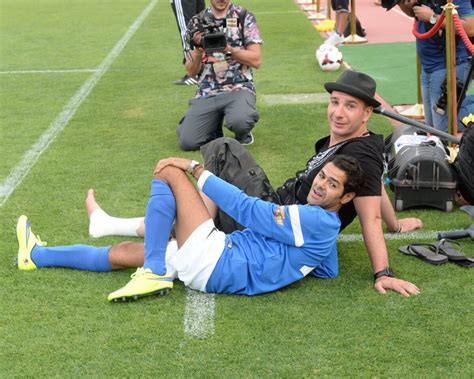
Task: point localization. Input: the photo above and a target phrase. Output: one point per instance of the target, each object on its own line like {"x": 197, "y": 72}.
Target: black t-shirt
{"x": 367, "y": 150}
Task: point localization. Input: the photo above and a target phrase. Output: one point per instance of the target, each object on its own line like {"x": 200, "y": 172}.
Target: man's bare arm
{"x": 389, "y": 217}
{"x": 194, "y": 62}
{"x": 369, "y": 211}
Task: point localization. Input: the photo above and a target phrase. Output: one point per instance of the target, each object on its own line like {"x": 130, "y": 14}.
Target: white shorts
{"x": 195, "y": 261}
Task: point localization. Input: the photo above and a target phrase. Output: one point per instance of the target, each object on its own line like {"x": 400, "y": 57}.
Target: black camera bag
{"x": 420, "y": 174}
{"x": 230, "y": 161}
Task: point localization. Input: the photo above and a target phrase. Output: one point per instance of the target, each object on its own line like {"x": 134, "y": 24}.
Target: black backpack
{"x": 464, "y": 165}
{"x": 229, "y": 160}
{"x": 360, "y": 31}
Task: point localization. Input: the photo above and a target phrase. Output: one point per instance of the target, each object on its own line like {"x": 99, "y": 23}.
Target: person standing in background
{"x": 183, "y": 11}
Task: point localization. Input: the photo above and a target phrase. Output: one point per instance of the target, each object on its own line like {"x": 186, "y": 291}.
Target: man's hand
{"x": 423, "y": 12}
{"x": 181, "y": 163}
{"x": 197, "y": 38}
{"x": 398, "y": 285}
{"x": 409, "y": 224}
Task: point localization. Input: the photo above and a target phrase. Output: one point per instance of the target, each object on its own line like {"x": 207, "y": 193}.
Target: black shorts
{"x": 340, "y": 5}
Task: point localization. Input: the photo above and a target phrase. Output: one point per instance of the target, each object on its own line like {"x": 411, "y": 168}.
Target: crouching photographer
{"x": 432, "y": 51}
{"x": 223, "y": 45}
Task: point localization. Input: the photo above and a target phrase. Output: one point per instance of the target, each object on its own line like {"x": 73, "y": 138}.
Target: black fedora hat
{"x": 355, "y": 84}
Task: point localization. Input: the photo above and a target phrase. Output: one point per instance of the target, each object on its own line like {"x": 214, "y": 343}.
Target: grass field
{"x": 87, "y": 102}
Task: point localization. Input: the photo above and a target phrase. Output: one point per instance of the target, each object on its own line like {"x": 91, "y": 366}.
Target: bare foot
{"x": 90, "y": 203}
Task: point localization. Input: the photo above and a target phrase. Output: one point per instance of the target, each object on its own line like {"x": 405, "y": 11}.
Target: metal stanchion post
{"x": 416, "y": 110}
{"x": 449, "y": 9}
{"x": 315, "y": 7}
{"x": 354, "y": 38}
{"x": 311, "y": 6}
{"x": 326, "y": 25}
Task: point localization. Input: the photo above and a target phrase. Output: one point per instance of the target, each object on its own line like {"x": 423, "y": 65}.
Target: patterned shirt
{"x": 221, "y": 75}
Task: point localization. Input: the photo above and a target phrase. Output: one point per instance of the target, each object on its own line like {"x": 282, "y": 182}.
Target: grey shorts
{"x": 203, "y": 120}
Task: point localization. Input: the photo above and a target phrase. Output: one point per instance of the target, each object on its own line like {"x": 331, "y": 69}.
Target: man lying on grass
{"x": 282, "y": 244}
{"x": 352, "y": 99}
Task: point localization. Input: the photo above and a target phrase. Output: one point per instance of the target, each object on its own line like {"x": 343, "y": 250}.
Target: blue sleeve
{"x": 328, "y": 269}
{"x": 464, "y": 8}
{"x": 287, "y": 224}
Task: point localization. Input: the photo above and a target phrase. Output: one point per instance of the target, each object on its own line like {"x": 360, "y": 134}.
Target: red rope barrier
{"x": 430, "y": 33}
{"x": 457, "y": 22}
{"x": 462, "y": 33}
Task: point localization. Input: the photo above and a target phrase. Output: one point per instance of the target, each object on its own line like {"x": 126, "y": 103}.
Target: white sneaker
{"x": 334, "y": 39}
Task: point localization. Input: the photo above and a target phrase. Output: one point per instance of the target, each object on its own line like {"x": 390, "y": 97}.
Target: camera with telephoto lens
{"x": 440, "y": 106}
{"x": 213, "y": 39}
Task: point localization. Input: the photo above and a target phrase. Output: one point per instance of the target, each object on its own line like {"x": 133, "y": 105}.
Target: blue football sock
{"x": 160, "y": 214}
{"x": 81, "y": 257}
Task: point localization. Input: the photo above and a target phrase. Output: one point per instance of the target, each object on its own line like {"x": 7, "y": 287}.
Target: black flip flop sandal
{"x": 452, "y": 249}
{"x": 424, "y": 251}
{"x": 468, "y": 262}
{"x": 448, "y": 247}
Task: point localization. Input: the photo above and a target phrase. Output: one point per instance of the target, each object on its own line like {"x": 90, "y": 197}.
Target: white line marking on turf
{"x": 16, "y": 176}
{"x": 392, "y": 236}
{"x": 199, "y": 314}
{"x": 48, "y": 71}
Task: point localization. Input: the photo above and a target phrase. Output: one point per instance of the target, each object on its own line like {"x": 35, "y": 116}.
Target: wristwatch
{"x": 385, "y": 272}
{"x": 433, "y": 19}
{"x": 192, "y": 166}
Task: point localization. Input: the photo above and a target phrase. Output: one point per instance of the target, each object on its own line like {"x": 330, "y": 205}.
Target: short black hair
{"x": 355, "y": 178}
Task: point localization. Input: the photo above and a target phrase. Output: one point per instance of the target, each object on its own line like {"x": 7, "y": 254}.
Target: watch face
{"x": 192, "y": 166}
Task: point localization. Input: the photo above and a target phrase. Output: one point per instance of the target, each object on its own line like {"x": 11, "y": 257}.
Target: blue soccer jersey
{"x": 281, "y": 245}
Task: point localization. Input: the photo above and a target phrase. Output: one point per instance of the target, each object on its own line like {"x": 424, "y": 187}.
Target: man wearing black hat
{"x": 350, "y": 107}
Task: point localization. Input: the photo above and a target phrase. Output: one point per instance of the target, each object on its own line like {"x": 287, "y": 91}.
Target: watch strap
{"x": 385, "y": 272}
{"x": 192, "y": 166}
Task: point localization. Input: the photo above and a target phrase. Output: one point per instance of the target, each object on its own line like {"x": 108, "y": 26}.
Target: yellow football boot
{"x": 144, "y": 283}
{"x": 26, "y": 242}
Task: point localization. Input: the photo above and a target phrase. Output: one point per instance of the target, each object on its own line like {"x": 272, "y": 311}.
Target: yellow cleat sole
{"x": 124, "y": 299}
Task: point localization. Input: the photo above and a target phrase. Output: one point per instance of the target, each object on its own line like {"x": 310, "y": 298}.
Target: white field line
{"x": 199, "y": 314}
{"x": 16, "y": 176}
{"x": 392, "y": 236}
{"x": 48, "y": 71}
